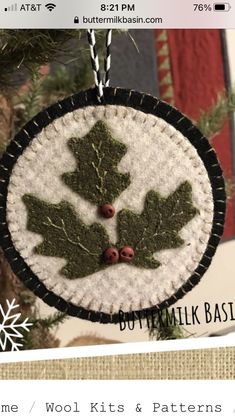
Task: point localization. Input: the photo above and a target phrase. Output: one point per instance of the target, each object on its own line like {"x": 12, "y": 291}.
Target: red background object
{"x": 191, "y": 66}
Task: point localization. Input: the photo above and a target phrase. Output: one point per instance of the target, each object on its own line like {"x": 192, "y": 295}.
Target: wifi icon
{"x": 50, "y": 6}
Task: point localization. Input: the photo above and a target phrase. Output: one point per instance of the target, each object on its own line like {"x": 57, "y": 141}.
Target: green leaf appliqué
{"x": 66, "y": 236}
{"x": 96, "y": 177}
{"x": 157, "y": 227}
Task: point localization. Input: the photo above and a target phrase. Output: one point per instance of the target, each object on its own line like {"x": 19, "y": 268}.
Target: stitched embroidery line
{"x": 96, "y": 177}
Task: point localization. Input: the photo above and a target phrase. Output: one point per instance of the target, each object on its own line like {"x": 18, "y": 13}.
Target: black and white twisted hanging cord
{"x": 107, "y": 61}
{"x": 99, "y": 82}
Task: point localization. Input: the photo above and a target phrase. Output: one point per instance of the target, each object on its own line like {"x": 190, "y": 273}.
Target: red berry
{"x": 107, "y": 210}
{"x": 126, "y": 254}
{"x": 111, "y": 255}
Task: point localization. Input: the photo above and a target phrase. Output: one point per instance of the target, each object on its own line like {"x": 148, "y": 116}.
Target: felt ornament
{"x": 110, "y": 200}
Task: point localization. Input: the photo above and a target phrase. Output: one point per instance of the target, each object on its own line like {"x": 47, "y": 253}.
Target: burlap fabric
{"x": 218, "y": 363}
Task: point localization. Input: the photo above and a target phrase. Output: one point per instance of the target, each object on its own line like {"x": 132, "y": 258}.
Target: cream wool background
{"x": 158, "y": 158}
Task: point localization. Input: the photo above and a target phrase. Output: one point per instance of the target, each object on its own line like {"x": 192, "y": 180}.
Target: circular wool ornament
{"x": 131, "y": 153}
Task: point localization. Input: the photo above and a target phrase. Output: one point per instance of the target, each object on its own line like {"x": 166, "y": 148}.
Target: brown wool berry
{"x": 107, "y": 210}
{"x": 111, "y": 255}
{"x": 127, "y": 254}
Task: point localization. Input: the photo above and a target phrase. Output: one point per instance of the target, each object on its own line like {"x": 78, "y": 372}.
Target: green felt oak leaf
{"x": 66, "y": 236}
{"x": 157, "y": 227}
{"x": 96, "y": 177}
{"x": 82, "y": 246}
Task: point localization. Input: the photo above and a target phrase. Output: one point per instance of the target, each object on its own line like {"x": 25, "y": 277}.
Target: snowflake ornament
{"x": 10, "y": 327}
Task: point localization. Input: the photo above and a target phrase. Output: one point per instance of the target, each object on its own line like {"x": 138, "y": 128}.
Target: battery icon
{"x": 222, "y": 7}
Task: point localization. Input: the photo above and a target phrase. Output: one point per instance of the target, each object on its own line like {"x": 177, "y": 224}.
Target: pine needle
{"x": 134, "y": 42}
{"x": 211, "y": 122}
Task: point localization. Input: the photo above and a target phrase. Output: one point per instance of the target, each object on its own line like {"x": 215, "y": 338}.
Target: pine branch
{"x": 31, "y": 99}
{"x": 212, "y": 121}
{"x": 40, "y": 335}
{"x": 23, "y": 49}
{"x": 164, "y": 330}
{"x": 50, "y": 321}
{"x": 6, "y": 122}
{"x": 65, "y": 81}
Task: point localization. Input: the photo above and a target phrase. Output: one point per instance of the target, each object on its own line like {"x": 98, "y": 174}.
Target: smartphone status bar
{"x": 121, "y": 14}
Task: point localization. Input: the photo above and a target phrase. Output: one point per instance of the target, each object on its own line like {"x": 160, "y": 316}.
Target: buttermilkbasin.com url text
{"x": 121, "y": 19}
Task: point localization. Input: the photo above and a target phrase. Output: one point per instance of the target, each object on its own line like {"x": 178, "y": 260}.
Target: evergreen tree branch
{"x": 65, "y": 81}
{"x": 31, "y": 99}
{"x": 40, "y": 334}
{"x": 212, "y": 121}
{"x": 163, "y": 329}
{"x": 23, "y": 49}
{"x": 50, "y": 321}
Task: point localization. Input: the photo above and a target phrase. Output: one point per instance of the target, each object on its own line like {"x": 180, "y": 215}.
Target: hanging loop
{"x": 99, "y": 82}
